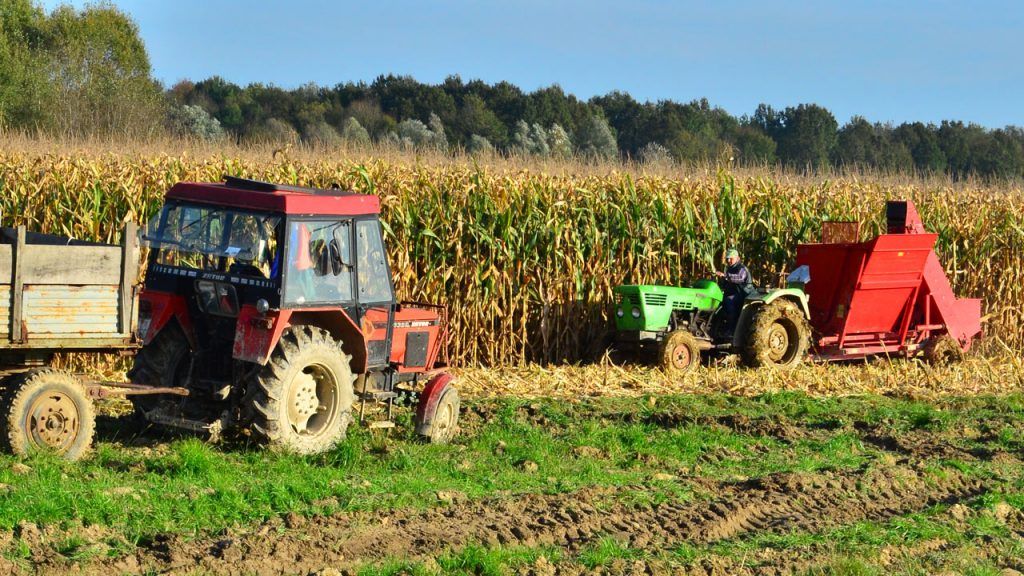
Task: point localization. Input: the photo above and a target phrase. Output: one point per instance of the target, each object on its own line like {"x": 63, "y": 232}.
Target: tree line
{"x": 86, "y": 72}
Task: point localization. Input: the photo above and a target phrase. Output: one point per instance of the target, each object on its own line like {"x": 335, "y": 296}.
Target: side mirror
{"x": 334, "y": 255}
{"x": 340, "y": 239}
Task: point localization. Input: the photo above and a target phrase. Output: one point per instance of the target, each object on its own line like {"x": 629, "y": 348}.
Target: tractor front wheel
{"x": 779, "y": 335}
{"x": 437, "y": 416}
{"x": 302, "y": 402}
{"x": 679, "y": 352}
{"x": 47, "y": 410}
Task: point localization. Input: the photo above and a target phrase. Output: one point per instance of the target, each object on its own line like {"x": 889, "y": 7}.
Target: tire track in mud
{"x": 777, "y": 503}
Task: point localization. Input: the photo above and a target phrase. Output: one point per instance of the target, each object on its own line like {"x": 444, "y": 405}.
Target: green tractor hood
{"x": 649, "y": 308}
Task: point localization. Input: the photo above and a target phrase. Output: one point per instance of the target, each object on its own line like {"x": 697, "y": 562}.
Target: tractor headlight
{"x": 262, "y": 306}
{"x": 620, "y": 313}
{"x": 635, "y": 312}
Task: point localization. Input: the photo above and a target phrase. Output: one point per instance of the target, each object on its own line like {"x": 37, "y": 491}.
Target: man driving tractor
{"x": 736, "y": 285}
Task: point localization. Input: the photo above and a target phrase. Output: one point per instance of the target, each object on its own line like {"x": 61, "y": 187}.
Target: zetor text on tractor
{"x": 272, "y": 308}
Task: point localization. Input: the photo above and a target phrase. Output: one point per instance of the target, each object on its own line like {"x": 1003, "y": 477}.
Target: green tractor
{"x": 678, "y": 325}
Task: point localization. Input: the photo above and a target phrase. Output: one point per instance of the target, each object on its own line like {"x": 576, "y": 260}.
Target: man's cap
{"x": 732, "y": 253}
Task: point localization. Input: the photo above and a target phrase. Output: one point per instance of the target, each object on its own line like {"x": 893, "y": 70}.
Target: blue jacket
{"x": 737, "y": 281}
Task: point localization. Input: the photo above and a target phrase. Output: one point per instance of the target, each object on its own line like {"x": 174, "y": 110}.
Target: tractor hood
{"x": 649, "y": 307}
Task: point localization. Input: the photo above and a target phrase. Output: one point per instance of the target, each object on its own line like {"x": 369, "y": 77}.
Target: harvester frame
{"x": 889, "y": 295}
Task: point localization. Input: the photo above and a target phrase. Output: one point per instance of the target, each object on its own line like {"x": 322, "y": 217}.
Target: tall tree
{"x": 805, "y": 135}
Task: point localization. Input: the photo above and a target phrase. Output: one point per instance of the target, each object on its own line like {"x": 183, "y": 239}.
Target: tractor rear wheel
{"x": 942, "y": 350}
{"x": 779, "y": 335}
{"x": 161, "y": 363}
{"x": 679, "y": 352}
{"x": 302, "y": 401}
{"x": 47, "y": 410}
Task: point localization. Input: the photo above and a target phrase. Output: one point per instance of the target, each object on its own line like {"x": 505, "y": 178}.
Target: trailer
{"x": 62, "y": 295}
{"x": 889, "y": 295}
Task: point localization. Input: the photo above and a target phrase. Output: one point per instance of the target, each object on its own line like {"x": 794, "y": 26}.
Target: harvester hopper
{"x": 888, "y": 295}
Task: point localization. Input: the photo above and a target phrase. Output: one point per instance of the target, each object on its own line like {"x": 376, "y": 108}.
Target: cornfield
{"x": 526, "y": 259}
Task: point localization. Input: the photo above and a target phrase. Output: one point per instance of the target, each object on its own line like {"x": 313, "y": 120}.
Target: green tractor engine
{"x": 645, "y": 313}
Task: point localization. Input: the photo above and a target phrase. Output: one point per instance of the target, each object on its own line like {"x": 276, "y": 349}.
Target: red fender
{"x": 429, "y": 398}
{"x": 160, "y": 309}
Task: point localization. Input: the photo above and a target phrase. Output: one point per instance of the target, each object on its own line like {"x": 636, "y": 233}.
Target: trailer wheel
{"x": 778, "y": 335}
{"x": 160, "y": 363}
{"x": 302, "y": 402}
{"x": 679, "y": 352}
{"x": 942, "y": 350}
{"x": 47, "y": 410}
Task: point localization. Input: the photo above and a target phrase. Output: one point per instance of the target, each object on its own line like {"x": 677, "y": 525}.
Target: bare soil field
{"x": 772, "y": 483}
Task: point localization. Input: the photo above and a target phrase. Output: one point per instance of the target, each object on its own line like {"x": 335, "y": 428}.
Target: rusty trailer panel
{"x": 69, "y": 297}
{"x": 68, "y": 265}
{"x": 70, "y": 310}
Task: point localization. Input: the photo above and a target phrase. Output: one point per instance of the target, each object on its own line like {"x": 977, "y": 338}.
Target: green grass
{"x": 185, "y": 486}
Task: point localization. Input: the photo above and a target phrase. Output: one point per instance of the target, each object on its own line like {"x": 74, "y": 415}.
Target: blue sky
{"x": 887, "y": 61}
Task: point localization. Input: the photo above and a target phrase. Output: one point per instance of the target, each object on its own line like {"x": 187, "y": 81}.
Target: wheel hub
{"x": 53, "y": 421}
{"x": 445, "y": 419}
{"x": 681, "y": 356}
{"x": 305, "y": 402}
{"x": 778, "y": 342}
{"x": 312, "y": 401}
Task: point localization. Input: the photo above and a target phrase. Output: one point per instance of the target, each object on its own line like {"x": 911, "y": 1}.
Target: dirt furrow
{"x": 785, "y": 502}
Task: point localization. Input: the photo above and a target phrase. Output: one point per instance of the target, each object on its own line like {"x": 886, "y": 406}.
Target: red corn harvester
{"x": 889, "y": 295}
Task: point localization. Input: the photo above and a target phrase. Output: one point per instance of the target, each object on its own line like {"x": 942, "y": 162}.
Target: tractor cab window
{"x": 215, "y": 239}
{"x": 319, "y": 262}
{"x": 374, "y": 279}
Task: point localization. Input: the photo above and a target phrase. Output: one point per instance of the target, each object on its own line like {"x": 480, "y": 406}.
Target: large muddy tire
{"x": 163, "y": 363}
{"x": 942, "y": 350}
{"x": 47, "y": 410}
{"x": 302, "y": 401}
{"x": 679, "y": 352}
{"x": 778, "y": 335}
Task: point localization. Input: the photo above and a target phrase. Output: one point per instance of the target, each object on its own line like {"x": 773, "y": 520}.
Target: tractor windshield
{"x": 215, "y": 239}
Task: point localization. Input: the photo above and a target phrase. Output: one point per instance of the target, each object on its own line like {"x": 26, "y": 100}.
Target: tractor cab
{"x": 274, "y": 307}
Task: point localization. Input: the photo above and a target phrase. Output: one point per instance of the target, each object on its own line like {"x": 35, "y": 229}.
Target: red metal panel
{"x": 407, "y": 319}
{"x": 156, "y": 309}
{"x": 257, "y": 334}
{"x": 834, "y": 269}
{"x": 286, "y": 202}
{"x": 962, "y": 316}
{"x": 889, "y": 282}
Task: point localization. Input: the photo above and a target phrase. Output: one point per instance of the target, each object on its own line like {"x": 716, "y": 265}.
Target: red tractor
{"x": 272, "y": 308}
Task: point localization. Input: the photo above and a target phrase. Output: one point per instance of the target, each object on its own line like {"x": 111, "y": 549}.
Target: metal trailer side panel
{"x": 68, "y": 296}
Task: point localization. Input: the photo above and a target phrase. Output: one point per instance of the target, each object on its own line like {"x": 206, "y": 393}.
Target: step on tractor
{"x": 846, "y": 299}
{"x": 266, "y": 309}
